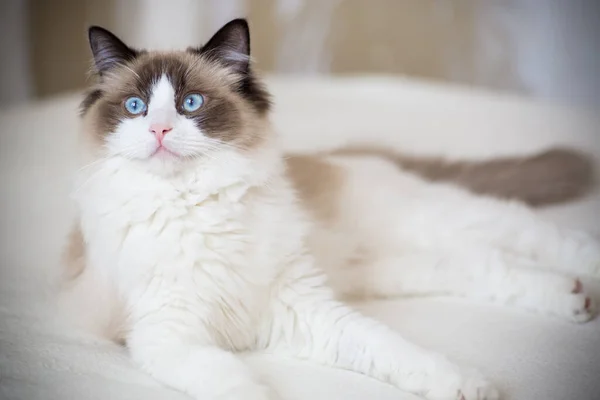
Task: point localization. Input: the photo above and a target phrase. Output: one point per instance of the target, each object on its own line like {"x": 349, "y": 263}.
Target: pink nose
{"x": 160, "y": 130}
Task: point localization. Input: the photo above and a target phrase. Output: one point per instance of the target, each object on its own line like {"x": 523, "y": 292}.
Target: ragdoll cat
{"x": 197, "y": 239}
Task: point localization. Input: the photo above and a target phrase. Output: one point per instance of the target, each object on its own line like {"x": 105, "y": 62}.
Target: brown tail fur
{"x": 554, "y": 176}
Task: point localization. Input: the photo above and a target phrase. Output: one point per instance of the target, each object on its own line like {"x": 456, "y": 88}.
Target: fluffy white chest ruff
{"x": 179, "y": 250}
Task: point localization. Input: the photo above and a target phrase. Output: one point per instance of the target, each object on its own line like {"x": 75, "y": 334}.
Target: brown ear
{"x": 230, "y": 46}
{"x": 108, "y": 50}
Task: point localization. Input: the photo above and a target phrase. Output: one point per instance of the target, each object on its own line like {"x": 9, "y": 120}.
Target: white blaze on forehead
{"x": 162, "y": 101}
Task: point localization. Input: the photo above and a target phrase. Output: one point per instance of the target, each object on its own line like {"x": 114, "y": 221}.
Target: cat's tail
{"x": 554, "y": 176}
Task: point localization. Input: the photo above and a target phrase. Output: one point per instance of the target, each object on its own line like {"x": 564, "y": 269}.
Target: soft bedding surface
{"x": 528, "y": 356}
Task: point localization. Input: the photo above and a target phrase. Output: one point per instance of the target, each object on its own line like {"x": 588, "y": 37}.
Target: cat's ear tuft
{"x": 230, "y": 46}
{"x": 108, "y": 50}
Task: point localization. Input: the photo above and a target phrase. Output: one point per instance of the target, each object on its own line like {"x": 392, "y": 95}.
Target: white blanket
{"x": 528, "y": 356}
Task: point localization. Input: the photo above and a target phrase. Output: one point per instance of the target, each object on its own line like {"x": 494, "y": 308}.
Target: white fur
{"x": 217, "y": 257}
{"x": 412, "y": 237}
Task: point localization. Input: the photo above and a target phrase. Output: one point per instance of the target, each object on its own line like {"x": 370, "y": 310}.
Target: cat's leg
{"x": 520, "y": 230}
{"x": 398, "y": 209}
{"x": 453, "y": 217}
{"x": 482, "y": 274}
{"x": 308, "y": 323}
{"x": 198, "y": 368}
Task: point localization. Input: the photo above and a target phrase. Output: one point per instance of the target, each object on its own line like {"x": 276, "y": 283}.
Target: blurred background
{"x": 544, "y": 49}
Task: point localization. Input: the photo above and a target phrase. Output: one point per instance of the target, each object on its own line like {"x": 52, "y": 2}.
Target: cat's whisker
{"x": 93, "y": 163}
{"x": 229, "y": 145}
{"x": 194, "y": 152}
{"x": 198, "y": 147}
{"x": 128, "y": 151}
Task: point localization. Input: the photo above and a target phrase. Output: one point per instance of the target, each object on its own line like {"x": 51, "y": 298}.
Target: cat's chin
{"x": 163, "y": 153}
{"x": 164, "y": 162}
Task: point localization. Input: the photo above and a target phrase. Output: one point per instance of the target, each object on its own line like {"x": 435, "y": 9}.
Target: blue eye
{"x": 135, "y": 105}
{"x": 192, "y": 102}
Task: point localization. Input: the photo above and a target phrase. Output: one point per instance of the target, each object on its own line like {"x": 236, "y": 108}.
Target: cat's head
{"x": 172, "y": 107}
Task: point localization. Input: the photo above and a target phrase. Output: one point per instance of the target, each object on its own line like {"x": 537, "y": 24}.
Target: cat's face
{"x": 169, "y": 108}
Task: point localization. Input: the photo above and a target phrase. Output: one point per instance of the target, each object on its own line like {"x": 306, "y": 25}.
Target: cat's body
{"x": 189, "y": 259}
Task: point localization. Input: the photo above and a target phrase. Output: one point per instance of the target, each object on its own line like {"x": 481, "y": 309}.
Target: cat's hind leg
{"x": 398, "y": 209}
{"x": 512, "y": 227}
{"x": 482, "y": 274}
{"x": 520, "y": 230}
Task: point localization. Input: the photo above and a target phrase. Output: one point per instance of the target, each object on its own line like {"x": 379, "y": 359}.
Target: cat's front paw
{"x": 455, "y": 385}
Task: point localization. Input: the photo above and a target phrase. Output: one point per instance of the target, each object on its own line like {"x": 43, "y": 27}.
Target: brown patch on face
{"x": 318, "y": 183}
{"x": 226, "y": 115}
